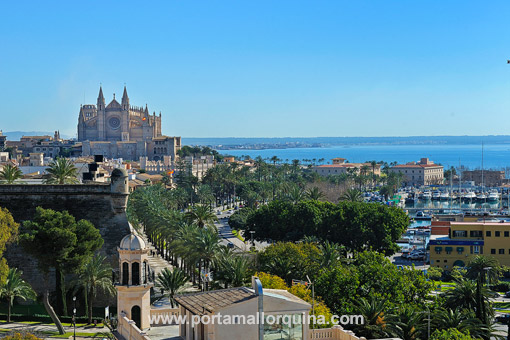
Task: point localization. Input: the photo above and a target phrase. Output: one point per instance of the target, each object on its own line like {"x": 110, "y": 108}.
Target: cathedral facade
{"x": 119, "y": 130}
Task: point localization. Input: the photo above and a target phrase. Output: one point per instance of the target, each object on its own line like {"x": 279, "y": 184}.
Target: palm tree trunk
{"x": 90, "y": 301}
{"x": 9, "y": 311}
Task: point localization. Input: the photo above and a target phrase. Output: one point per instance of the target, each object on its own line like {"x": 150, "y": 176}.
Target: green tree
{"x": 171, "y": 282}
{"x": 449, "y": 334}
{"x": 10, "y": 173}
{"x": 233, "y": 270}
{"x": 57, "y": 241}
{"x": 15, "y": 287}
{"x": 315, "y": 194}
{"x": 95, "y": 275}
{"x": 373, "y": 311}
{"x": 351, "y": 195}
{"x": 202, "y": 215}
{"x": 483, "y": 269}
{"x": 62, "y": 171}
{"x": 8, "y": 233}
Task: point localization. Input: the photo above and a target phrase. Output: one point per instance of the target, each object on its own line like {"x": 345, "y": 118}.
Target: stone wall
{"x": 102, "y": 204}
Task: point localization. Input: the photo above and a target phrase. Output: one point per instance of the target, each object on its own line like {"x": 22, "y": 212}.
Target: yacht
{"x": 427, "y": 195}
{"x": 493, "y": 196}
{"x": 445, "y": 196}
{"x": 436, "y": 195}
{"x": 481, "y": 197}
{"x": 469, "y": 196}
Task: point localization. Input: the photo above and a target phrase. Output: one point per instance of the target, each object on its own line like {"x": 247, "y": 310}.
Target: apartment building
{"x": 467, "y": 239}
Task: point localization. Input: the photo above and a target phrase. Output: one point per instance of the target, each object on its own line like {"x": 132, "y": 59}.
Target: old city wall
{"x": 102, "y": 204}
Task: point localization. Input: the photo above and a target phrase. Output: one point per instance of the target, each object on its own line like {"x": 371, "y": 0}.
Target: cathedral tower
{"x": 101, "y": 115}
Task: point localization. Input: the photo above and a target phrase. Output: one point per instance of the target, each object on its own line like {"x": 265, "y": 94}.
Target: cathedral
{"x": 117, "y": 122}
{"x": 119, "y": 130}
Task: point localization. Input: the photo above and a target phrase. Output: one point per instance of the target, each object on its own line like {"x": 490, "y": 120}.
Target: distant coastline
{"x": 234, "y": 143}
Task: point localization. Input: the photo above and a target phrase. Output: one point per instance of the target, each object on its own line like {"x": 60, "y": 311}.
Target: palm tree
{"x": 202, "y": 215}
{"x": 351, "y": 195}
{"x": 14, "y": 287}
{"x": 331, "y": 254}
{"x": 62, "y": 171}
{"x": 314, "y": 194}
{"x": 171, "y": 282}
{"x": 372, "y": 310}
{"x": 10, "y": 173}
{"x": 96, "y": 275}
{"x": 295, "y": 194}
{"x": 406, "y": 324}
{"x": 233, "y": 270}
{"x": 462, "y": 319}
{"x": 483, "y": 269}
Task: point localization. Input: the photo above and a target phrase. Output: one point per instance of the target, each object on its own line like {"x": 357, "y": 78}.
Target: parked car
{"x": 417, "y": 256}
{"x": 507, "y": 295}
{"x": 230, "y": 245}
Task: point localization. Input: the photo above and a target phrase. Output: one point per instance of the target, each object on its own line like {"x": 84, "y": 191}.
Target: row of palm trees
{"x": 60, "y": 171}
{"x": 189, "y": 241}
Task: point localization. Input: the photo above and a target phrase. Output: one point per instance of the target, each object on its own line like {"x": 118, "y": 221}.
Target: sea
{"x": 495, "y": 156}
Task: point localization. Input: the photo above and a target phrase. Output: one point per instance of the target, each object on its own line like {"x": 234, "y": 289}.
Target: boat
{"x": 436, "y": 195}
{"x": 421, "y": 216}
{"x": 469, "y": 197}
{"x": 445, "y": 196}
{"x": 481, "y": 197}
{"x": 493, "y": 196}
{"x": 427, "y": 195}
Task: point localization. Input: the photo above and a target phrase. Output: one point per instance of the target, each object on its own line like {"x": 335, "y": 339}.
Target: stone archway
{"x": 136, "y": 316}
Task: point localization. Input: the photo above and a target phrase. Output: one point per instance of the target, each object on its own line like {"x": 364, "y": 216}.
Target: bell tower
{"x": 133, "y": 291}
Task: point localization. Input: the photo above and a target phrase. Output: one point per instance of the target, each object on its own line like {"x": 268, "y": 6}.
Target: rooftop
{"x": 209, "y": 302}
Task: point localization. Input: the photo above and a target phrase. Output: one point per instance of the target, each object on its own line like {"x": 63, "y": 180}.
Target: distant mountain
{"x": 16, "y": 135}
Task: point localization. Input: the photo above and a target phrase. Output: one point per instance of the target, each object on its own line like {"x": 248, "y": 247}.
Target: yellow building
{"x": 468, "y": 239}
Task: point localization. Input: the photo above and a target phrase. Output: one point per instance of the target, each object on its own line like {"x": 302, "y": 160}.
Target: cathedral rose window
{"x": 114, "y": 122}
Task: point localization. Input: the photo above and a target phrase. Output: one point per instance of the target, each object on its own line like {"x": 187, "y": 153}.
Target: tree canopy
{"x": 357, "y": 226}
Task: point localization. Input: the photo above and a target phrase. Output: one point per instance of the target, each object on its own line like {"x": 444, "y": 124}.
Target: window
{"x": 488, "y": 233}
{"x": 475, "y": 233}
{"x": 497, "y": 233}
{"x": 502, "y": 252}
{"x": 448, "y": 250}
{"x": 459, "y": 233}
{"x": 476, "y": 250}
{"x": 460, "y": 250}
{"x": 438, "y": 250}
{"x": 507, "y": 234}
{"x": 493, "y": 251}
{"x": 275, "y": 328}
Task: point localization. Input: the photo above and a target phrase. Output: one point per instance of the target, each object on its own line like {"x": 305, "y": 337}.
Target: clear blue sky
{"x": 262, "y": 68}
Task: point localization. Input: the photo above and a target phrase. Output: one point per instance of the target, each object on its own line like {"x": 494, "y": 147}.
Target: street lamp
{"x": 74, "y": 317}
{"x": 252, "y": 239}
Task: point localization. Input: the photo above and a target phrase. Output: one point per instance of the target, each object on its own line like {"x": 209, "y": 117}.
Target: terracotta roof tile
{"x": 209, "y": 302}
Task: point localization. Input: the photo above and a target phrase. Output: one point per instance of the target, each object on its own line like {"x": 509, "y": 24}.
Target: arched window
{"x": 135, "y": 274}
{"x": 125, "y": 274}
{"x": 144, "y": 272}
{"x": 136, "y": 316}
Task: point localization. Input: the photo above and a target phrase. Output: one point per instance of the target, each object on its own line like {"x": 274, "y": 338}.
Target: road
{"x": 228, "y": 237}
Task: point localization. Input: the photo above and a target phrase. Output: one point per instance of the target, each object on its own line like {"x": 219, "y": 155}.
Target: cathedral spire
{"x": 125, "y": 100}
{"x": 100, "y": 99}
{"x": 125, "y": 95}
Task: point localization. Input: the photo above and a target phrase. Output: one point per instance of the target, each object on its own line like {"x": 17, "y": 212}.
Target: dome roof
{"x": 132, "y": 242}
{"x": 119, "y": 173}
